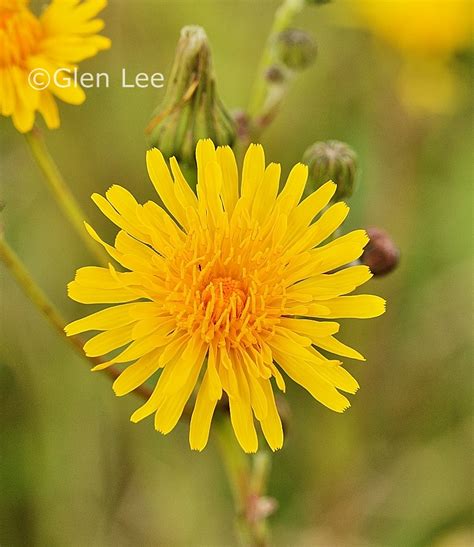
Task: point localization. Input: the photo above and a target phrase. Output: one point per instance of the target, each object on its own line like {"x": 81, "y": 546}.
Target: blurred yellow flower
{"x": 224, "y": 290}
{"x": 427, "y": 33}
{"x": 420, "y": 27}
{"x": 65, "y": 34}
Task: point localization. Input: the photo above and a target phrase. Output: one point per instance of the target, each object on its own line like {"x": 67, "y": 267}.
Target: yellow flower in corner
{"x": 225, "y": 291}
{"x": 428, "y": 34}
{"x": 33, "y": 50}
{"x": 419, "y": 27}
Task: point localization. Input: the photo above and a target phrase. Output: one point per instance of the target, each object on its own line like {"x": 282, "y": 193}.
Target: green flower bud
{"x": 332, "y": 160}
{"x": 295, "y": 49}
{"x": 191, "y": 109}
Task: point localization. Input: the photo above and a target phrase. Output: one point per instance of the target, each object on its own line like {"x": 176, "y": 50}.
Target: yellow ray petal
{"x": 138, "y": 348}
{"x": 252, "y": 171}
{"x": 271, "y": 424}
{"x": 117, "y": 316}
{"x": 362, "y": 306}
{"x": 205, "y": 153}
{"x": 49, "y": 109}
{"x": 138, "y": 373}
{"x": 293, "y": 189}
{"x": 266, "y": 193}
{"x": 164, "y": 185}
{"x": 258, "y": 398}
{"x": 242, "y": 422}
{"x": 202, "y": 415}
{"x": 194, "y": 350}
{"x": 309, "y": 328}
{"x": 335, "y": 346}
{"x": 341, "y": 251}
{"x": 209, "y": 192}
{"x": 337, "y": 376}
{"x": 321, "y": 229}
{"x": 303, "y": 373}
{"x": 301, "y": 217}
{"x": 230, "y": 177}
{"x": 91, "y": 295}
{"x": 148, "y": 408}
{"x": 182, "y": 190}
{"x": 111, "y": 213}
{"x": 170, "y": 410}
{"x": 108, "y": 341}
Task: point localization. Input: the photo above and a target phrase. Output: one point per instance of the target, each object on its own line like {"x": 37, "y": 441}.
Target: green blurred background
{"x": 394, "y": 470}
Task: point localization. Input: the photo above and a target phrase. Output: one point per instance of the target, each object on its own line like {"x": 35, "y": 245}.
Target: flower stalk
{"x": 247, "y": 477}
{"x": 62, "y": 193}
{"x": 13, "y": 263}
{"x": 267, "y": 94}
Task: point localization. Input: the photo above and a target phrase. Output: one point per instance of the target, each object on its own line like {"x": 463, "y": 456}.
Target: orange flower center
{"x": 224, "y": 298}
{"x": 225, "y": 288}
{"x": 20, "y": 33}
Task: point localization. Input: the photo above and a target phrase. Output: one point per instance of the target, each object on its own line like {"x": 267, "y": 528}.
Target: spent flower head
{"x": 224, "y": 291}
{"x": 64, "y": 35}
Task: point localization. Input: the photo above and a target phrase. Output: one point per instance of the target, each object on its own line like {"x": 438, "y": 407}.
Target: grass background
{"x": 396, "y": 469}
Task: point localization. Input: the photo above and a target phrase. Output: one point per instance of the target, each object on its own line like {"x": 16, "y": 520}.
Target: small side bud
{"x": 191, "y": 109}
{"x": 295, "y": 49}
{"x": 275, "y": 74}
{"x": 332, "y": 160}
{"x": 242, "y": 124}
{"x": 381, "y": 254}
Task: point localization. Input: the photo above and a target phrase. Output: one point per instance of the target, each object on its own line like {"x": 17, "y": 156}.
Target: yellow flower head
{"x": 420, "y": 27}
{"x": 224, "y": 291}
{"x": 64, "y": 35}
{"x": 427, "y": 34}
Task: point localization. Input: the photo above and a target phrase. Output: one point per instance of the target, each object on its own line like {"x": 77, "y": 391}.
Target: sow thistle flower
{"x": 65, "y": 34}
{"x": 428, "y": 34}
{"x": 225, "y": 290}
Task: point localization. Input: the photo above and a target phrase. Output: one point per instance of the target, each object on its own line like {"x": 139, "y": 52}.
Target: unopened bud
{"x": 380, "y": 255}
{"x": 242, "y": 124}
{"x": 275, "y": 74}
{"x": 332, "y": 160}
{"x": 191, "y": 109}
{"x": 295, "y": 49}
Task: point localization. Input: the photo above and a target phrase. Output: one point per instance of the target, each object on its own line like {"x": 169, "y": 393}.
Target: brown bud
{"x": 242, "y": 124}
{"x": 381, "y": 254}
{"x": 275, "y": 74}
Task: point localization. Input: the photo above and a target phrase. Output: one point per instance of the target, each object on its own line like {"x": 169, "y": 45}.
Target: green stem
{"x": 62, "y": 193}
{"x": 284, "y": 17}
{"x": 45, "y": 306}
{"x": 247, "y": 476}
